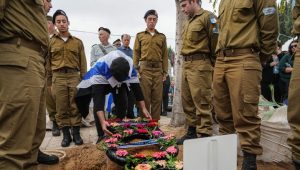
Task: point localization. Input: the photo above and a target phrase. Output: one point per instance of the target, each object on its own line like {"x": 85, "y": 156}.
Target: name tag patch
{"x": 269, "y": 10}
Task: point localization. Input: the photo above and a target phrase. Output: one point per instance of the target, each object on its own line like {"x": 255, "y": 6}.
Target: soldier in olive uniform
{"x": 199, "y": 42}
{"x": 294, "y": 94}
{"x": 23, "y": 47}
{"x": 150, "y": 58}
{"x": 247, "y": 38}
{"x": 68, "y": 65}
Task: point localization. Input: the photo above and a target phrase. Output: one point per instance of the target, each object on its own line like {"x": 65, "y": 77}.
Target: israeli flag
{"x": 100, "y": 73}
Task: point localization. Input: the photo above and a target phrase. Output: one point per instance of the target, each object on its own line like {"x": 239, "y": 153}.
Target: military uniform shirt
{"x": 151, "y": 48}
{"x": 33, "y": 26}
{"x": 68, "y": 54}
{"x": 238, "y": 19}
{"x": 296, "y": 14}
{"x": 198, "y": 34}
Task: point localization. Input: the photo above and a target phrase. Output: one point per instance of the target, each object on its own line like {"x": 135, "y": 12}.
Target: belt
{"x": 153, "y": 64}
{"x": 199, "y": 56}
{"x": 236, "y": 52}
{"x": 66, "y": 70}
{"x": 33, "y": 45}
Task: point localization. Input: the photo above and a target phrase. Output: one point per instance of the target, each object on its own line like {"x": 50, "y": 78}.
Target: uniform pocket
{"x": 206, "y": 97}
{"x": 197, "y": 33}
{"x": 242, "y": 11}
{"x": 251, "y": 88}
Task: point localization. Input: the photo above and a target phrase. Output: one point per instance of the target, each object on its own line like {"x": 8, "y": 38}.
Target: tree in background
{"x": 285, "y": 20}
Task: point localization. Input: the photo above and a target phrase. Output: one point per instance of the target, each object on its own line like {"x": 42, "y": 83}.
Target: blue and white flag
{"x": 100, "y": 72}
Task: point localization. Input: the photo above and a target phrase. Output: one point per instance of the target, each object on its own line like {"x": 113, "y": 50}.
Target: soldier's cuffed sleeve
{"x": 213, "y": 34}
{"x": 136, "y": 52}
{"x": 266, "y": 12}
{"x": 165, "y": 57}
{"x": 296, "y": 17}
{"x": 83, "y": 66}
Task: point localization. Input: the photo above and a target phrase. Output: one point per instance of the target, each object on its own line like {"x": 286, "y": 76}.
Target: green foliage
{"x": 285, "y": 20}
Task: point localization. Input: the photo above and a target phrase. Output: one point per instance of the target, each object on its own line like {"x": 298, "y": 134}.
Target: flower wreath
{"x": 123, "y": 132}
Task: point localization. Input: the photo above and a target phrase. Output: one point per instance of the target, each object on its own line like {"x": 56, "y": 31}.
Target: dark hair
{"x": 119, "y": 69}
{"x": 59, "y": 12}
{"x": 150, "y": 12}
{"x": 117, "y": 40}
{"x": 104, "y": 29}
{"x": 290, "y": 46}
{"x": 123, "y": 35}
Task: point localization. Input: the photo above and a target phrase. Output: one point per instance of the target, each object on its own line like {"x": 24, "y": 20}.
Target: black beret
{"x": 119, "y": 69}
{"x": 59, "y": 12}
{"x": 150, "y": 12}
{"x": 104, "y": 29}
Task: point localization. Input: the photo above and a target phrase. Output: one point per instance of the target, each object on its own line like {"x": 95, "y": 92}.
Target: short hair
{"x": 57, "y": 13}
{"x": 117, "y": 40}
{"x": 49, "y": 18}
{"x": 150, "y": 12}
{"x": 125, "y": 35}
{"x": 199, "y": 1}
{"x": 104, "y": 29}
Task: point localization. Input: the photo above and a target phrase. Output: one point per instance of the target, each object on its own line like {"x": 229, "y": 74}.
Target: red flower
{"x": 140, "y": 126}
{"x": 159, "y": 155}
{"x": 153, "y": 120}
{"x": 126, "y": 125}
{"x": 142, "y": 131}
{"x": 152, "y": 124}
{"x": 139, "y": 155}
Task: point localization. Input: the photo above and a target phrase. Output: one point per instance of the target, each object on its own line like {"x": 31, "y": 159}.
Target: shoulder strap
{"x": 102, "y": 49}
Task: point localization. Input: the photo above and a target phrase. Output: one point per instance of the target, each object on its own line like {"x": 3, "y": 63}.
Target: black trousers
{"x": 166, "y": 88}
{"x": 119, "y": 97}
{"x": 131, "y": 102}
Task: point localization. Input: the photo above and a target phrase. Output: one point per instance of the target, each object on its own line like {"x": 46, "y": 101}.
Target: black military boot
{"x": 191, "y": 134}
{"x": 47, "y": 159}
{"x": 76, "y": 135}
{"x": 55, "y": 129}
{"x": 249, "y": 162}
{"x": 297, "y": 165}
{"x": 66, "y": 137}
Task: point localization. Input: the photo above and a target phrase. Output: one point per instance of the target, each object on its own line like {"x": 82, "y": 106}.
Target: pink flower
{"x": 169, "y": 137}
{"x": 159, "y": 155}
{"x": 143, "y": 167}
{"x": 139, "y": 155}
{"x": 142, "y": 131}
{"x": 156, "y": 133}
{"x": 128, "y": 131}
{"x": 126, "y": 125}
{"x": 121, "y": 153}
{"x": 111, "y": 140}
{"x": 172, "y": 150}
{"x": 112, "y": 146}
{"x": 114, "y": 124}
{"x": 140, "y": 126}
{"x": 117, "y": 136}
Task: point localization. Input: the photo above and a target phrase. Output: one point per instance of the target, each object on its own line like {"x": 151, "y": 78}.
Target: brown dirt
{"x": 88, "y": 157}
